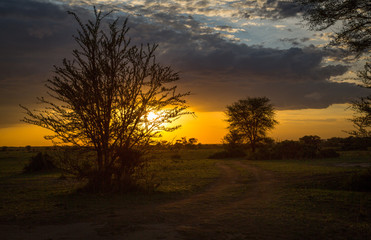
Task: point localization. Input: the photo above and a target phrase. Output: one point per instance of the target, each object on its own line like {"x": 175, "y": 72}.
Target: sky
{"x": 223, "y": 50}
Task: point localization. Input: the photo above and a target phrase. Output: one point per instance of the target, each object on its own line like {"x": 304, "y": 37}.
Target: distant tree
{"x": 192, "y": 141}
{"x": 311, "y": 145}
{"x": 102, "y": 99}
{"x": 252, "y": 118}
{"x": 353, "y": 19}
{"x": 312, "y": 140}
{"x": 28, "y": 148}
{"x": 233, "y": 141}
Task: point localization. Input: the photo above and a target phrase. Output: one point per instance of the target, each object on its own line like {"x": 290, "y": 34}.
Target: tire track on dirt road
{"x": 213, "y": 214}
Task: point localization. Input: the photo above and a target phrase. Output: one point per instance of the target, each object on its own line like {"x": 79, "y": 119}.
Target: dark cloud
{"x": 28, "y": 9}
{"x": 275, "y": 9}
{"x": 35, "y": 35}
{"x": 216, "y": 70}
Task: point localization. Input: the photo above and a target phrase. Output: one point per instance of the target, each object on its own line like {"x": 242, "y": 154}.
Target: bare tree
{"x": 251, "y": 118}
{"x": 102, "y": 98}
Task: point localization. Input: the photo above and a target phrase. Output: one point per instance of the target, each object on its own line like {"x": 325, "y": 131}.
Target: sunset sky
{"x": 224, "y": 51}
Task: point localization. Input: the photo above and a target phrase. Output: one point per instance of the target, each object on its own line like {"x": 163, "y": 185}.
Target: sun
{"x": 152, "y": 116}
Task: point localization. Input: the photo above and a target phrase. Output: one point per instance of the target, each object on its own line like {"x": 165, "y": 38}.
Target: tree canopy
{"x": 251, "y": 118}
{"x": 103, "y": 97}
{"x": 352, "y": 19}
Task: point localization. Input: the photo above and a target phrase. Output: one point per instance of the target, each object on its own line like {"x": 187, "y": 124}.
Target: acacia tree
{"x": 102, "y": 98}
{"x": 362, "y": 107}
{"x": 251, "y": 118}
{"x": 354, "y": 17}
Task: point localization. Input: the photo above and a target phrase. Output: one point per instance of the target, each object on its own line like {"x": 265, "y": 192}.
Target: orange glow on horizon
{"x": 210, "y": 127}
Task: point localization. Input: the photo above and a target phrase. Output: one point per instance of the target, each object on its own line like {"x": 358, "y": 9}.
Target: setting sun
{"x": 152, "y": 116}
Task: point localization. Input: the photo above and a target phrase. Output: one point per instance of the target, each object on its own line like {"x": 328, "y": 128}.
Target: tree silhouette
{"x": 354, "y": 19}
{"x": 362, "y": 107}
{"x": 251, "y": 118}
{"x": 354, "y": 16}
{"x": 102, "y": 98}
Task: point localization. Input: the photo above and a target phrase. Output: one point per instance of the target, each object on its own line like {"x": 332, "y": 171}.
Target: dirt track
{"x": 229, "y": 209}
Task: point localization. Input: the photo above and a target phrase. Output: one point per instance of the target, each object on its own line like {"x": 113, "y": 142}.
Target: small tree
{"x": 233, "y": 141}
{"x": 252, "y": 118}
{"x": 103, "y": 97}
{"x": 311, "y": 146}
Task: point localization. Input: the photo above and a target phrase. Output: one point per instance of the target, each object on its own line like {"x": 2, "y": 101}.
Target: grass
{"x": 313, "y": 198}
{"x": 45, "y": 196}
{"x": 318, "y": 195}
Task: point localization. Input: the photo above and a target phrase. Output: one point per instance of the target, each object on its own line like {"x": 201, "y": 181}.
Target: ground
{"x": 247, "y": 200}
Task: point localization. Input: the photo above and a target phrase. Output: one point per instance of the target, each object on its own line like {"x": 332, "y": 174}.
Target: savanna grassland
{"x": 195, "y": 198}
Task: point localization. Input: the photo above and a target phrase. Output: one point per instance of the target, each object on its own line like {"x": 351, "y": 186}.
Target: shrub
{"x": 237, "y": 153}
{"x": 360, "y": 181}
{"x": 129, "y": 174}
{"x": 40, "y": 162}
{"x": 175, "y": 156}
{"x": 328, "y": 153}
{"x": 356, "y": 143}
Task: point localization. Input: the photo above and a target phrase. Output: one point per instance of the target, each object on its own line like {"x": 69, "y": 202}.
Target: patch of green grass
{"x": 45, "y": 197}
{"x": 12, "y": 162}
{"x": 317, "y": 194}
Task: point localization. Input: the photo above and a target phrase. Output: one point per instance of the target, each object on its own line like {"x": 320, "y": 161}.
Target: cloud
{"x": 217, "y": 70}
{"x": 273, "y": 9}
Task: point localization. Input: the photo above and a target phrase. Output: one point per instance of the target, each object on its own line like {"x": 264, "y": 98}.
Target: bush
{"x": 175, "y": 156}
{"x": 130, "y": 173}
{"x": 293, "y": 150}
{"x": 356, "y": 143}
{"x": 328, "y": 153}
{"x": 40, "y": 162}
{"x": 237, "y": 153}
{"x": 360, "y": 181}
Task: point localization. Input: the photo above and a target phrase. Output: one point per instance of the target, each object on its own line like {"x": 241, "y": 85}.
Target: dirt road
{"x": 231, "y": 208}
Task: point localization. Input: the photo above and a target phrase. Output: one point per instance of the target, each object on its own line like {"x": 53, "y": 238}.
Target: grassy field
{"x": 46, "y": 196}
{"x": 312, "y": 198}
{"x": 318, "y": 197}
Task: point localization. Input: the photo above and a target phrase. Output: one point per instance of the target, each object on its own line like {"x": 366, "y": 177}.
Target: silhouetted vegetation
{"x": 360, "y": 181}
{"x": 362, "y": 115}
{"x": 28, "y": 148}
{"x": 249, "y": 120}
{"x": 353, "y": 23}
{"x": 353, "y": 19}
{"x": 102, "y": 100}
{"x": 308, "y": 147}
{"x": 39, "y": 162}
{"x": 348, "y": 144}
{"x": 233, "y": 145}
